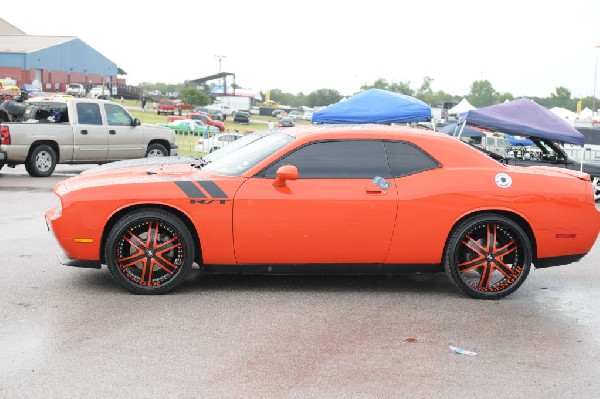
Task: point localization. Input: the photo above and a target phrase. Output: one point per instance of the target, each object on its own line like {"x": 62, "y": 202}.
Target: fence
{"x": 189, "y": 141}
{"x": 588, "y": 155}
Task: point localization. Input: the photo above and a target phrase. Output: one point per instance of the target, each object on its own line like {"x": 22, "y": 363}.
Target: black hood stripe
{"x": 190, "y": 189}
{"x": 212, "y": 189}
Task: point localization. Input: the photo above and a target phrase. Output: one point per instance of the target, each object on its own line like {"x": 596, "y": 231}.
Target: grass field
{"x": 187, "y": 143}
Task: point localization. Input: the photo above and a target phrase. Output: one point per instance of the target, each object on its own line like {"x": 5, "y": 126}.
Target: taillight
{"x": 4, "y": 135}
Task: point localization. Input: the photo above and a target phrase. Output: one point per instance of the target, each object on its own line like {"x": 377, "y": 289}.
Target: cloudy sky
{"x": 525, "y": 47}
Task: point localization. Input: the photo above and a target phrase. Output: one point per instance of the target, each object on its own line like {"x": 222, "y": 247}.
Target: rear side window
{"x": 407, "y": 159}
{"x": 344, "y": 159}
{"x": 89, "y": 114}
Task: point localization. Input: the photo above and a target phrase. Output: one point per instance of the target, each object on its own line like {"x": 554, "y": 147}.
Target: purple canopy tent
{"x": 524, "y": 117}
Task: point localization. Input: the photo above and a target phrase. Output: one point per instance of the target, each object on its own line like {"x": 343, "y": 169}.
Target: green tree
{"x": 323, "y": 97}
{"x": 424, "y": 93}
{"x": 482, "y": 94}
{"x": 194, "y": 97}
{"x": 400, "y": 87}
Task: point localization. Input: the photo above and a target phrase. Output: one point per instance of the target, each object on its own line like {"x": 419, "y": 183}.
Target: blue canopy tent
{"x": 524, "y": 117}
{"x": 375, "y": 106}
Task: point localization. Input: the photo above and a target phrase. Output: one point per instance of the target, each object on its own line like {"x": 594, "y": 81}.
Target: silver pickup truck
{"x": 77, "y": 131}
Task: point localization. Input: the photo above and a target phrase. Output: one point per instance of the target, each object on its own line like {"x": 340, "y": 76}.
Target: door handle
{"x": 373, "y": 191}
{"x": 112, "y": 132}
{"x": 83, "y": 131}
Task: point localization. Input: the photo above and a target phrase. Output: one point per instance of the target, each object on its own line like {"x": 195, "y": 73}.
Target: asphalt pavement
{"x": 66, "y": 332}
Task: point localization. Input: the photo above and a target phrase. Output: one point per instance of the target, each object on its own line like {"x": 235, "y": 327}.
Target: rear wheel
{"x": 41, "y": 161}
{"x": 488, "y": 256}
{"x": 149, "y": 251}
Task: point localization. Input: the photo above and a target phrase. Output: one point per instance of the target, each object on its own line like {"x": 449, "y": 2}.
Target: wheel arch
{"x": 164, "y": 143}
{"x": 52, "y": 144}
{"x": 508, "y": 214}
{"x": 181, "y": 215}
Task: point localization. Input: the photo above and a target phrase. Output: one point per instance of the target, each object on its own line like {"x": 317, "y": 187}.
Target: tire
{"x": 41, "y": 161}
{"x": 149, "y": 252}
{"x": 488, "y": 256}
{"x": 596, "y": 185}
{"x": 156, "y": 150}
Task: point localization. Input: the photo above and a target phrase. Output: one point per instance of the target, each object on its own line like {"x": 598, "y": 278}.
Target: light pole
{"x": 595, "y": 76}
{"x": 220, "y": 57}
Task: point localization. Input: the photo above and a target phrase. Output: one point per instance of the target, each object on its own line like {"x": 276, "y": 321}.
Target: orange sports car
{"x": 351, "y": 199}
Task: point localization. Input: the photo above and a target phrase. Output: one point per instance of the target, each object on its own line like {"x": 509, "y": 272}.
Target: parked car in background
{"x": 181, "y": 105}
{"x": 286, "y": 121}
{"x": 241, "y": 117}
{"x": 165, "y": 107}
{"x": 306, "y": 116}
{"x": 190, "y": 125}
{"x": 278, "y": 112}
{"x": 99, "y": 92}
{"x": 29, "y": 89}
{"x": 207, "y": 120}
{"x": 76, "y": 89}
{"x": 294, "y": 114}
{"x": 212, "y": 113}
{"x": 213, "y": 143}
{"x": 199, "y": 117}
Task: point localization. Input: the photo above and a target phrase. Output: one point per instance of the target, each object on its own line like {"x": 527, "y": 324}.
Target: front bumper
{"x": 86, "y": 264}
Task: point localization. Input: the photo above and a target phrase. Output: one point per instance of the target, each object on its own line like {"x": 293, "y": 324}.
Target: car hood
{"x": 136, "y": 175}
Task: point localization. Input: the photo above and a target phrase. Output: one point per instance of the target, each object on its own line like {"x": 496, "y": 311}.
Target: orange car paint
{"x": 336, "y": 221}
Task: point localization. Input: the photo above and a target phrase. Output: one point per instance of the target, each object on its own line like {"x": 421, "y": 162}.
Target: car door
{"x": 90, "y": 135}
{"x": 124, "y": 140}
{"x": 333, "y": 213}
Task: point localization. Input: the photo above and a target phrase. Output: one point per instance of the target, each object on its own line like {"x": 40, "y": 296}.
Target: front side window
{"x": 89, "y": 114}
{"x": 343, "y": 159}
{"x": 117, "y": 116}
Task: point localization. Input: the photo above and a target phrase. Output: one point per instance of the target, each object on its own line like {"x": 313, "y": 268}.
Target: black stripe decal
{"x": 190, "y": 189}
{"x": 212, "y": 189}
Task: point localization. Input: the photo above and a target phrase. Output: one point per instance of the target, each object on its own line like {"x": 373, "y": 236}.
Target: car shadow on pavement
{"x": 415, "y": 282}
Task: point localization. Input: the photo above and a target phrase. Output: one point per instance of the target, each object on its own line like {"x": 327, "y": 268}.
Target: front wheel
{"x": 149, "y": 251}
{"x": 488, "y": 256}
{"x": 41, "y": 162}
{"x": 156, "y": 150}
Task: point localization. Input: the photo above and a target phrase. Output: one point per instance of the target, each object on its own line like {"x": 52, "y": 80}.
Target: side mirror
{"x": 136, "y": 122}
{"x": 284, "y": 173}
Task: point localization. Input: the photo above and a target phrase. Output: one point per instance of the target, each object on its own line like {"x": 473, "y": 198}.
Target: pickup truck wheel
{"x": 156, "y": 150}
{"x": 41, "y": 162}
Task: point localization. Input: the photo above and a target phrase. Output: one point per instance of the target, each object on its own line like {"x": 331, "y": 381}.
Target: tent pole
{"x": 461, "y": 128}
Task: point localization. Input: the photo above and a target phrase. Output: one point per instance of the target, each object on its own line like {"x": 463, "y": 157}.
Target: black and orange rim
{"x": 490, "y": 257}
{"x": 150, "y": 253}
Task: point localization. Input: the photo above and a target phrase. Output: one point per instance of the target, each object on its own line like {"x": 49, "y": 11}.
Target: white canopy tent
{"x": 460, "y": 108}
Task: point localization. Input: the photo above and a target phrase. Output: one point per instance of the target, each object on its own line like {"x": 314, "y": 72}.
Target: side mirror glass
{"x": 284, "y": 173}
{"x": 136, "y": 122}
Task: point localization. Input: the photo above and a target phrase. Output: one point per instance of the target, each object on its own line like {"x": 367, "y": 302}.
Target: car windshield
{"x": 237, "y": 162}
{"x": 235, "y": 145}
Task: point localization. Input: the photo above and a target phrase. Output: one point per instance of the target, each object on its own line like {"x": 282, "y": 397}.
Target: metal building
{"x": 53, "y": 61}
